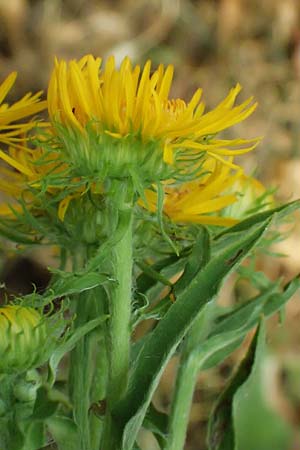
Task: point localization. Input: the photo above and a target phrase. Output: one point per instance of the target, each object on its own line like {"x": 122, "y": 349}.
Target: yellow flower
{"x": 252, "y": 195}
{"x": 18, "y": 156}
{"x": 12, "y": 134}
{"x": 23, "y": 338}
{"x": 25, "y": 171}
{"x": 200, "y": 201}
{"x": 137, "y": 125}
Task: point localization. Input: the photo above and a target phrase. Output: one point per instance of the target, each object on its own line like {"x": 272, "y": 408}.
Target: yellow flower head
{"x": 252, "y": 195}
{"x": 24, "y": 172}
{"x": 200, "y": 201}
{"x": 137, "y": 126}
{"x": 13, "y": 136}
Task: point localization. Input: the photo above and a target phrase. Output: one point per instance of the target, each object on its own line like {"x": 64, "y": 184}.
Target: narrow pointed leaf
{"x": 252, "y": 411}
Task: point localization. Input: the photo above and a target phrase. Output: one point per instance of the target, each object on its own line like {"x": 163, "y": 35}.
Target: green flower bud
{"x": 23, "y": 339}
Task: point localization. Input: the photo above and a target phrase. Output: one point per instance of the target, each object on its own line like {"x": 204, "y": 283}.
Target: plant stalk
{"x": 119, "y": 332}
{"x": 120, "y": 315}
{"x": 186, "y": 380}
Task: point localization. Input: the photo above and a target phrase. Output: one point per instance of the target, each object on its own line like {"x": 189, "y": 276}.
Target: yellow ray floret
{"x": 27, "y": 106}
{"x": 134, "y": 100}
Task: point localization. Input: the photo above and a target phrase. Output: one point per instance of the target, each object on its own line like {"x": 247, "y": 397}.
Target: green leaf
{"x": 220, "y": 432}
{"x": 146, "y": 280}
{"x": 221, "y": 240}
{"x": 217, "y": 347}
{"x": 252, "y": 412}
{"x": 35, "y": 436}
{"x": 241, "y": 408}
{"x": 157, "y": 422}
{"x": 198, "y": 259}
{"x": 70, "y": 343}
{"x": 164, "y": 339}
{"x": 72, "y": 283}
{"x": 278, "y": 212}
{"x": 64, "y": 432}
{"x": 46, "y": 404}
{"x": 241, "y": 320}
{"x": 270, "y": 301}
{"x": 152, "y": 288}
{"x": 16, "y": 436}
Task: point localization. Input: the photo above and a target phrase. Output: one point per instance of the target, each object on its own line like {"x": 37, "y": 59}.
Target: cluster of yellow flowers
{"x": 135, "y": 127}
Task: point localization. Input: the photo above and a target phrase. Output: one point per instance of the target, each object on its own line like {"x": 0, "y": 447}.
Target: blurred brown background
{"x": 213, "y": 44}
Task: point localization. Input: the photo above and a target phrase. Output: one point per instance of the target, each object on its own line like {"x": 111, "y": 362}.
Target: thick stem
{"x": 120, "y": 292}
{"x": 120, "y": 314}
{"x": 186, "y": 380}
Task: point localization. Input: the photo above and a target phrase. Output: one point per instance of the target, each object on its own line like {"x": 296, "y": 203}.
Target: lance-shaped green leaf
{"x": 198, "y": 259}
{"x": 46, "y": 403}
{"x": 164, "y": 339}
{"x": 72, "y": 283}
{"x": 270, "y": 301}
{"x": 221, "y": 240}
{"x": 68, "y": 345}
{"x": 157, "y": 422}
{"x": 242, "y": 409}
{"x": 251, "y": 410}
{"x": 233, "y": 327}
{"x": 244, "y": 225}
{"x": 220, "y": 433}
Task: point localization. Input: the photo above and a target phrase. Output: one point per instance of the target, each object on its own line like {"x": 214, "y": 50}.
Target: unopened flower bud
{"x": 23, "y": 338}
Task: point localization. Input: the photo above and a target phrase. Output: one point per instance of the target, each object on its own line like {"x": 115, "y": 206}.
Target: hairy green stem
{"x": 119, "y": 332}
{"x": 120, "y": 314}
